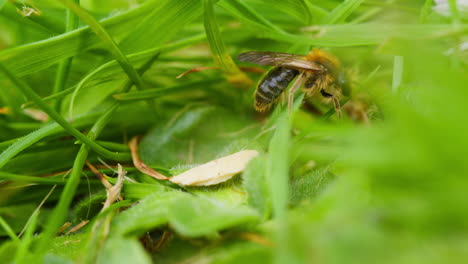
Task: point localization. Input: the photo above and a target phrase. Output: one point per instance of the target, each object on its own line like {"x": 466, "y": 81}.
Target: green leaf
{"x": 123, "y": 250}
{"x": 277, "y": 167}
{"x": 67, "y": 247}
{"x": 158, "y": 140}
{"x": 257, "y": 187}
{"x": 149, "y": 213}
{"x": 189, "y": 215}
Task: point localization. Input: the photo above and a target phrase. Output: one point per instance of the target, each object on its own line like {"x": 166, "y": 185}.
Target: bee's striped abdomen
{"x": 272, "y": 85}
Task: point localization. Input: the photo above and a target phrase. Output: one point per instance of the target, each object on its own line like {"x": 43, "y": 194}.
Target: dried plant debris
{"x": 211, "y": 173}
{"x": 138, "y": 163}
{"x": 216, "y": 171}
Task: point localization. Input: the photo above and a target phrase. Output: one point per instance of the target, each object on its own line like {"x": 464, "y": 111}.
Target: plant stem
{"x": 31, "y": 94}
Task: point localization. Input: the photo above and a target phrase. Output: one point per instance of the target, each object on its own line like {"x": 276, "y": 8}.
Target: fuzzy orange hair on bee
{"x": 318, "y": 71}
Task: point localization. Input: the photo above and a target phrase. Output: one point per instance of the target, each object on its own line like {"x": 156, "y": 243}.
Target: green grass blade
{"x": 2, "y": 3}
{"x": 245, "y": 13}
{"x": 298, "y": 9}
{"x": 60, "y": 212}
{"x": 36, "y": 136}
{"x": 30, "y": 93}
{"x": 278, "y": 178}
{"x": 454, "y": 11}
{"x": 57, "y": 95}
{"x": 426, "y": 10}
{"x": 108, "y": 40}
{"x": 342, "y": 12}
{"x": 166, "y": 19}
{"x": 366, "y": 34}
{"x": 12, "y": 99}
{"x": 156, "y": 93}
{"x": 42, "y": 20}
{"x": 316, "y": 12}
{"x": 397, "y": 73}
{"x": 27, "y": 239}
{"x": 32, "y": 179}
{"x": 111, "y": 69}
{"x": 218, "y": 50}
{"x": 63, "y": 69}
{"x": 36, "y": 56}
{"x": 127, "y": 86}
{"x": 5, "y": 225}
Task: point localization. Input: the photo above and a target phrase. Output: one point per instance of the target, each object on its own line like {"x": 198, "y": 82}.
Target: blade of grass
{"x": 61, "y": 210}
{"x": 30, "y": 93}
{"x": 36, "y": 56}
{"x": 156, "y": 93}
{"x": 22, "y": 178}
{"x": 277, "y": 176}
{"x": 426, "y": 10}
{"x": 218, "y": 50}
{"x": 24, "y": 125}
{"x": 366, "y": 15}
{"x": 108, "y": 40}
{"x": 7, "y": 227}
{"x": 166, "y": 19}
{"x": 2, "y": 3}
{"x": 21, "y": 144}
{"x": 397, "y": 73}
{"x": 12, "y": 99}
{"x": 114, "y": 146}
{"x": 298, "y": 9}
{"x": 27, "y": 239}
{"x": 244, "y": 12}
{"x": 57, "y": 95}
{"x": 63, "y": 69}
{"x": 36, "y": 211}
{"x": 112, "y": 67}
{"x": 316, "y": 12}
{"x": 366, "y": 34}
{"x": 454, "y": 12}
{"x": 342, "y": 11}
{"x": 42, "y": 20}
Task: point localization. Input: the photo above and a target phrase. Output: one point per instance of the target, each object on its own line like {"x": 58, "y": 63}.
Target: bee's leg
{"x": 282, "y": 99}
{"x": 337, "y": 105}
{"x": 297, "y": 83}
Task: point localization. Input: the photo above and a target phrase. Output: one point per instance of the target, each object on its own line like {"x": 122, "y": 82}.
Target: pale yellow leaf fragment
{"x": 216, "y": 171}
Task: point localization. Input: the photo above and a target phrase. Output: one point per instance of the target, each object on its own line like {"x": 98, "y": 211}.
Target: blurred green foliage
{"x": 386, "y": 183}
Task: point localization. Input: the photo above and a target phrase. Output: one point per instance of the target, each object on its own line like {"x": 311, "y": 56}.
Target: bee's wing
{"x": 279, "y": 59}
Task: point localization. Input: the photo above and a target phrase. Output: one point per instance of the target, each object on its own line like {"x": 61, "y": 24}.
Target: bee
{"x": 317, "y": 71}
